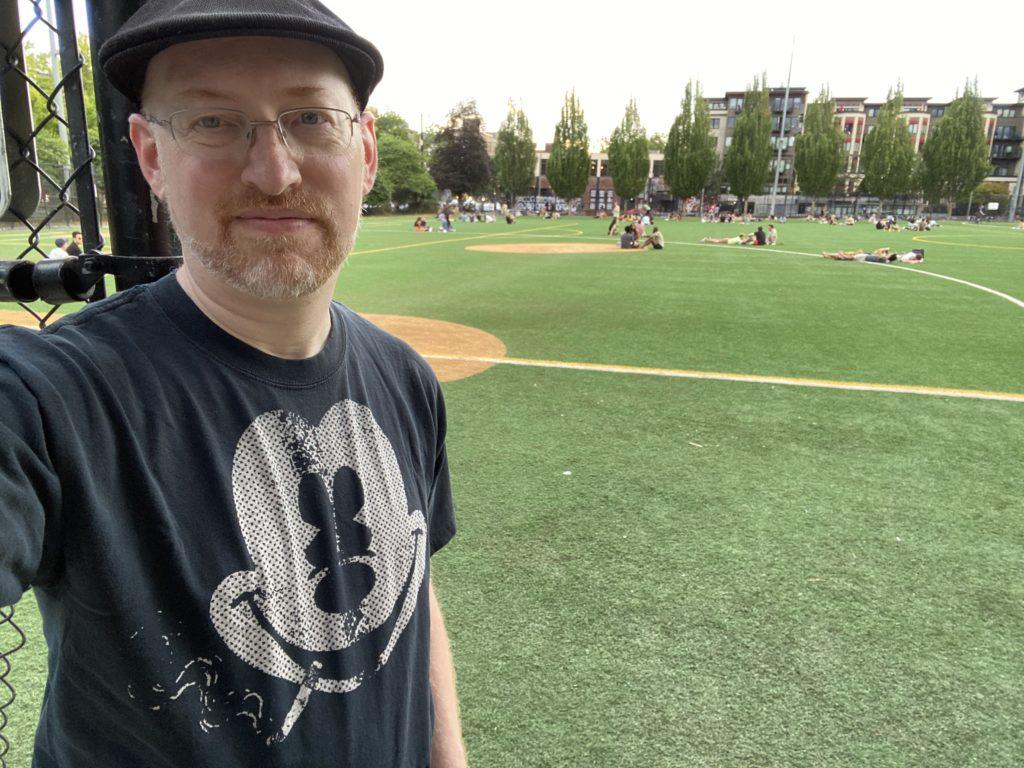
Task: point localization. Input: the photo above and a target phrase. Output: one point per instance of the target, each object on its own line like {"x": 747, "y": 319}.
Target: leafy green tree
{"x": 53, "y": 152}
{"x": 887, "y": 158}
{"x": 748, "y": 161}
{"x": 820, "y": 149}
{"x": 690, "y": 152}
{"x": 515, "y": 155}
{"x": 657, "y": 142}
{"x": 956, "y": 155}
{"x": 459, "y": 161}
{"x": 402, "y": 177}
{"x": 629, "y": 155}
{"x": 568, "y": 167}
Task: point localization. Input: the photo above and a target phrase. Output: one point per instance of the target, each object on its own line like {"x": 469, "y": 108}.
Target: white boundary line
{"x": 787, "y": 381}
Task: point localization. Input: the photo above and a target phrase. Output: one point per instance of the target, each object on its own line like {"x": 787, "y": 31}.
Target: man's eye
{"x": 208, "y": 121}
{"x": 311, "y": 118}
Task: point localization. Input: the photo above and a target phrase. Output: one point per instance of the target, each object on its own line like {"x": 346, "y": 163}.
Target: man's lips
{"x": 275, "y": 219}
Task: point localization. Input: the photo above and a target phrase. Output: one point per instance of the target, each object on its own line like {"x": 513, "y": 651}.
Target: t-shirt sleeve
{"x": 29, "y": 489}
{"x": 440, "y": 507}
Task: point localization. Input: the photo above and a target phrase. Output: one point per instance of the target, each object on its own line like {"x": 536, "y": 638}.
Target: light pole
{"x": 782, "y": 130}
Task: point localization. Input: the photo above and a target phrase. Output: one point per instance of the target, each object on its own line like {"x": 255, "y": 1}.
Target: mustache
{"x": 313, "y": 206}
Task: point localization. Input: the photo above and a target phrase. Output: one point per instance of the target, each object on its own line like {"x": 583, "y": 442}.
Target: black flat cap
{"x": 159, "y": 24}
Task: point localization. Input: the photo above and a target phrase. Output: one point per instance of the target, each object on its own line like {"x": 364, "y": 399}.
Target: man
{"x": 224, "y": 487}
{"x": 915, "y": 256}
{"x": 656, "y": 240}
{"x": 75, "y": 248}
{"x": 59, "y": 250}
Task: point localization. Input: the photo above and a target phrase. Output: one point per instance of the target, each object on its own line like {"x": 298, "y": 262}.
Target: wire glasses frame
{"x": 227, "y": 134}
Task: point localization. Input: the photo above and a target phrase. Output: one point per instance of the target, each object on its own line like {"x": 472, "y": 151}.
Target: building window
{"x": 730, "y": 122}
{"x": 938, "y": 111}
{"x": 715, "y": 122}
{"x": 716, "y": 106}
{"x": 659, "y": 168}
{"x": 736, "y": 102}
{"x": 728, "y": 141}
{"x": 543, "y": 167}
{"x": 872, "y": 111}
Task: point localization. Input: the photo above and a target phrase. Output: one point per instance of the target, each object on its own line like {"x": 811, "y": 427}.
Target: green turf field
{"x": 658, "y": 571}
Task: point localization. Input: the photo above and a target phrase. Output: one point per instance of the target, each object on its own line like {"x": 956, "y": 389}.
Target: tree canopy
{"x": 748, "y": 160}
{"x": 629, "y": 154}
{"x": 459, "y": 161}
{"x": 690, "y": 152}
{"x": 515, "y": 155}
{"x": 568, "y": 168}
{"x": 820, "y": 149}
{"x": 956, "y": 154}
{"x": 887, "y": 158}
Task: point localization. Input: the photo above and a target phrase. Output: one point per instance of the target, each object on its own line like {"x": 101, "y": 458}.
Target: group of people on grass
{"x": 630, "y": 241}
{"x": 757, "y": 237}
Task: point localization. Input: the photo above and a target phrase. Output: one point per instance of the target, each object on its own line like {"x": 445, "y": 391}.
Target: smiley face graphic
{"x": 338, "y": 558}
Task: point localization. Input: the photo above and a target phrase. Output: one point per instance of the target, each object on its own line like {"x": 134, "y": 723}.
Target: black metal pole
{"x": 138, "y": 224}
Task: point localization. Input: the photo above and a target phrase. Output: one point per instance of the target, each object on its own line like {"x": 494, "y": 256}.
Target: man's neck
{"x": 293, "y": 329}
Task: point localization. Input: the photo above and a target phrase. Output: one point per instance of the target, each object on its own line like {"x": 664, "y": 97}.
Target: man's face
{"x": 77, "y": 239}
{"x": 272, "y": 222}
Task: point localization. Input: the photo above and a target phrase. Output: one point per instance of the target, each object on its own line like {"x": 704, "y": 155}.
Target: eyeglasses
{"x": 227, "y": 134}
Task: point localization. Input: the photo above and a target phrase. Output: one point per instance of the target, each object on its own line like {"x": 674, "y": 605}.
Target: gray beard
{"x": 274, "y": 267}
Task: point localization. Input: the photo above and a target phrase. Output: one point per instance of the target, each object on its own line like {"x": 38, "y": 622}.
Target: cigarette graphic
{"x": 301, "y": 700}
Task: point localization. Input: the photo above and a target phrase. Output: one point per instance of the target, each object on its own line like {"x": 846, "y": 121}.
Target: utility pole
{"x": 55, "y": 71}
{"x": 782, "y": 131}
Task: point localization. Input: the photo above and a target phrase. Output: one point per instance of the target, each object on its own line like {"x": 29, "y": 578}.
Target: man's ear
{"x": 368, "y": 131}
{"x": 141, "y": 133}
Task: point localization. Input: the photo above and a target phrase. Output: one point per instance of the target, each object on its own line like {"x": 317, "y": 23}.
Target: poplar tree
{"x": 956, "y": 155}
{"x": 515, "y": 155}
{"x": 459, "y": 161}
{"x": 690, "y": 152}
{"x": 629, "y": 154}
{"x": 820, "y": 149}
{"x": 888, "y": 154}
{"x": 748, "y": 161}
{"x": 569, "y": 165}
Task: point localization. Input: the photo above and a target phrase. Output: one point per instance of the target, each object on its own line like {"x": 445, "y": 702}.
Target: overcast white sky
{"x": 438, "y": 54}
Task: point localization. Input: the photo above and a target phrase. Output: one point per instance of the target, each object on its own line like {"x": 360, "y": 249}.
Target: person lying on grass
{"x": 737, "y": 240}
{"x": 878, "y": 256}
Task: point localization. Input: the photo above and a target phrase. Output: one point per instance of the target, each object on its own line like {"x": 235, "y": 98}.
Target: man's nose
{"x": 270, "y": 165}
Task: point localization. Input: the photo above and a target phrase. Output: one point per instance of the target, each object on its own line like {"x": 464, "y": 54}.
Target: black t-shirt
{"x": 230, "y": 550}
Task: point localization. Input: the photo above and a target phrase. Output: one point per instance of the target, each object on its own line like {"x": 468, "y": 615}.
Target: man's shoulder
{"x": 367, "y": 340}
{"x": 91, "y": 332}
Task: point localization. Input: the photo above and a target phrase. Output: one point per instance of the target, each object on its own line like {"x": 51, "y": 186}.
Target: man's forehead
{"x": 270, "y": 66}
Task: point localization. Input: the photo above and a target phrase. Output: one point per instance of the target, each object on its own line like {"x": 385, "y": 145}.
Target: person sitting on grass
{"x": 760, "y": 237}
{"x": 420, "y": 225}
{"x": 773, "y": 235}
{"x": 628, "y": 239}
{"x": 656, "y": 240}
{"x": 737, "y": 240}
{"x": 877, "y": 256}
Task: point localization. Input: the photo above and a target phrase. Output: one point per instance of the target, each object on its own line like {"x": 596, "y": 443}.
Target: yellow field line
{"x": 788, "y": 381}
{"x": 922, "y": 239}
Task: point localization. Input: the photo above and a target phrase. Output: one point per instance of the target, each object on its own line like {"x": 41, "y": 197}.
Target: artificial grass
{"x": 732, "y": 574}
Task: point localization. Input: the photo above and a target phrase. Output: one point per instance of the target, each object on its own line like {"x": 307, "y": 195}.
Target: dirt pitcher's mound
{"x": 428, "y": 337}
{"x": 545, "y": 248}
{"x": 439, "y": 337}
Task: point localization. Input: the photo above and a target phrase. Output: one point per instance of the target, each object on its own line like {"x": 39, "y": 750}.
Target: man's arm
{"x": 448, "y": 750}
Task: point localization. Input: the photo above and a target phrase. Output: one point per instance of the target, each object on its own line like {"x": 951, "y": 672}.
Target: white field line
{"x": 787, "y": 381}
